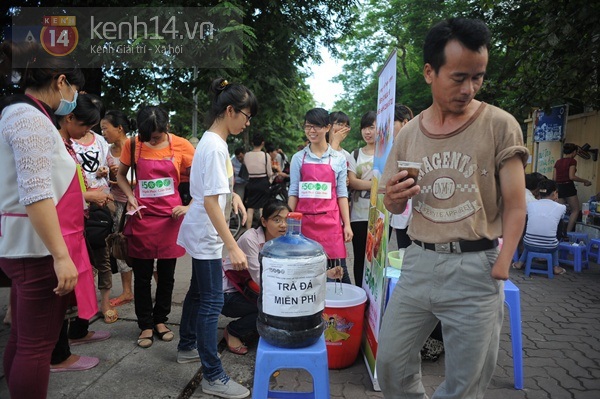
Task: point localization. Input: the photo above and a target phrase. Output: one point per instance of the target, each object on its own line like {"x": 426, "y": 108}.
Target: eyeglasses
{"x": 308, "y": 128}
{"x": 278, "y": 220}
{"x": 342, "y": 124}
{"x": 248, "y": 117}
{"x": 371, "y": 128}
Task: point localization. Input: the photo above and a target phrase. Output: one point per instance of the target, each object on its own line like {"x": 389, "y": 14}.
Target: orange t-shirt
{"x": 183, "y": 152}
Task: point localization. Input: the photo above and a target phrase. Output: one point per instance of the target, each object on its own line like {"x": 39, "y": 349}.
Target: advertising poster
{"x": 550, "y": 126}
{"x": 374, "y": 279}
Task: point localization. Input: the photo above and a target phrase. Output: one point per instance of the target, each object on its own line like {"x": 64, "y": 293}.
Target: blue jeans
{"x": 200, "y": 314}
{"x": 527, "y": 248}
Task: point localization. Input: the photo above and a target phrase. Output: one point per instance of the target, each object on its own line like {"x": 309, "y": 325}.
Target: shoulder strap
{"x": 134, "y": 174}
{"x": 266, "y": 168}
{"x": 355, "y": 154}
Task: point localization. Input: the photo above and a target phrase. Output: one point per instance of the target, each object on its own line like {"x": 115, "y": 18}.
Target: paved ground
{"x": 561, "y": 334}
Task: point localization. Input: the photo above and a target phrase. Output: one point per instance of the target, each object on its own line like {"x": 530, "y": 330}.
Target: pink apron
{"x": 70, "y": 217}
{"x": 155, "y": 235}
{"x": 321, "y": 219}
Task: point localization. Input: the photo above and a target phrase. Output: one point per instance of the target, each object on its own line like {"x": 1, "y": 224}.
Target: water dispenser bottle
{"x": 293, "y": 288}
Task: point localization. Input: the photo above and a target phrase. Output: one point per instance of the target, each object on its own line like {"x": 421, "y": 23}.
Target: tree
{"x": 278, "y": 38}
{"x": 543, "y": 53}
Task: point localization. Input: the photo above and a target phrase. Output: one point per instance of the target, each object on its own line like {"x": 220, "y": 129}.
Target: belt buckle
{"x": 445, "y": 248}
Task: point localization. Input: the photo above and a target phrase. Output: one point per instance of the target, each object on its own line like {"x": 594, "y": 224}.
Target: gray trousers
{"x": 458, "y": 290}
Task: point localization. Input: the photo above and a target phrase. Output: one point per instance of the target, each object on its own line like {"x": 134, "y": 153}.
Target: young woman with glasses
{"x": 318, "y": 190}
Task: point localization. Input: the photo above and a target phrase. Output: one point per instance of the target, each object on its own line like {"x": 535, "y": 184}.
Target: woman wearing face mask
{"x": 159, "y": 158}
{"x": 42, "y": 247}
{"x": 73, "y": 127}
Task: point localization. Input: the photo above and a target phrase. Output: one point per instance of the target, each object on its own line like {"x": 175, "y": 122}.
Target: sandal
{"x": 119, "y": 301}
{"x": 561, "y": 270}
{"x": 238, "y": 350}
{"x": 110, "y": 316}
{"x": 166, "y": 336}
{"x": 145, "y": 342}
{"x": 514, "y": 266}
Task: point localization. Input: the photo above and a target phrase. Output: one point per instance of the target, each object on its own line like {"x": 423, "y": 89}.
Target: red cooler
{"x": 344, "y": 315}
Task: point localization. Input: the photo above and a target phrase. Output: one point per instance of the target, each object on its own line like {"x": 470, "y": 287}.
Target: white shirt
{"x": 543, "y": 217}
{"x": 361, "y": 199}
{"x": 211, "y": 174}
{"x": 91, "y": 157}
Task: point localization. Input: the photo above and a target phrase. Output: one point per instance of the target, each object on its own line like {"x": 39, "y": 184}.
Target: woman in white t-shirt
{"x": 360, "y": 173}
{"x": 543, "y": 217}
{"x": 204, "y": 233}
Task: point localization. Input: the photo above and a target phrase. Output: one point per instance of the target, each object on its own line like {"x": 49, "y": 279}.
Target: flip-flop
{"x": 119, "y": 301}
{"x": 96, "y": 336}
{"x": 514, "y": 266}
{"x": 561, "y": 271}
{"x": 110, "y": 316}
{"x": 84, "y": 363}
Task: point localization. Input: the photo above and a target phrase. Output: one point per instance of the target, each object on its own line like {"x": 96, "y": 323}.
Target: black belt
{"x": 459, "y": 246}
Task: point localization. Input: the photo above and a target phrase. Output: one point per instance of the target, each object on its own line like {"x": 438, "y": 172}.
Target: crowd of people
{"x": 73, "y": 169}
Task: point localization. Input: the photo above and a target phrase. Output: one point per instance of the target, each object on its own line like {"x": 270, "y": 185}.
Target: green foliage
{"x": 278, "y": 37}
{"x": 543, "y": 53}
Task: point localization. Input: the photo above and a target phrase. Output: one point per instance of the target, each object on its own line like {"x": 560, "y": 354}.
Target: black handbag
{"x": 98, "y": 225}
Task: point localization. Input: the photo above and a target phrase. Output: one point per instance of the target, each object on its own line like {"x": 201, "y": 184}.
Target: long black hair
{"x": 86, "y": 112}
{"x": 118, "y": 118}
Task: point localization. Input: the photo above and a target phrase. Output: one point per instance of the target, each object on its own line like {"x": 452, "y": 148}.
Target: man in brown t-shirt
{"x": 471, "y": 190}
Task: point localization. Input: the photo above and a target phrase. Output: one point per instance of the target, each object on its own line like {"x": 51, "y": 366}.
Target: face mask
{"x": 66, "y": 107}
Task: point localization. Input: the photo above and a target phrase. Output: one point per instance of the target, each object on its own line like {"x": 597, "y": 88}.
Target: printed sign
{"x": 314, "y": 189}
{"x": 376, "y": 248}
{"x": 293, "y": 287}
{"x": 550, "y": 126}
{"x": 156, "y": 187}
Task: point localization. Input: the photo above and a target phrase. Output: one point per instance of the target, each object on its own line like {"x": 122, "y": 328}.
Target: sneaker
{"x": 225, "y": 387}
{"x": 191, "y": 356}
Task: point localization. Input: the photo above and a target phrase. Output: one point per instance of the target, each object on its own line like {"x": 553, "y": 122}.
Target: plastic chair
{"x": 578, "y": 251}
{"x": 577, "y": 237}
{"x": 512, "y": 299}
{"x": 545, "y": 255}
{"x": 593, "y": 249}
{"x": 270, "y": 358}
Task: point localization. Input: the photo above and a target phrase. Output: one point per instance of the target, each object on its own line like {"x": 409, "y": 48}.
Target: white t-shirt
{"x": 91, "y": 157}
{"x": 211, "y": 174}
{"x": 543, "y": 217}
{"x": 361, "y": 200}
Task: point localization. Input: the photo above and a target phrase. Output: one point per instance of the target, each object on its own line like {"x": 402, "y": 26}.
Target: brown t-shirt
{"x": 460, "y": 187}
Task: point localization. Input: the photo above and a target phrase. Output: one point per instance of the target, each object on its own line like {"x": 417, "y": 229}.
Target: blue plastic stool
{"x": 270, "y": 358}
{"x": 516, "y": 256}
{"x": 576, "y": 237}
{"x": 512, "y": 299}
{"x": 593, "y": 249}
{"x": 580, "y": 256}
{"x": 545, "y": 255}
